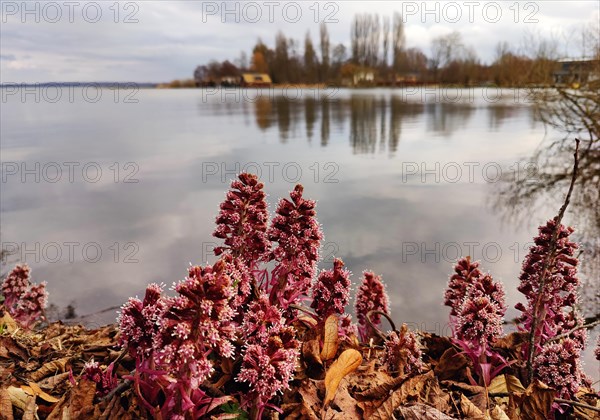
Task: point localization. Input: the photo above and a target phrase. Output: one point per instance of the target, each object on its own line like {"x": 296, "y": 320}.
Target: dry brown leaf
{"x": 9, "y": 348}
{"x": 52, "y": 381}
{"x": 77, "y": 403}
{"x": 452, "y": 366}
{"x": 421, "y": 412}
{"x": 412, "y": 389}
{"x": 7, "y": 322}
{"x": 312, "y": 359}
{"x": 50, "y": 368}
{"x": 30, "y": 412}
{"x": 513, "y": 384}
{"x": 535, "y": 402}
{"x": 511, "y": 341}
{"x": 6, "y": 410}
{"x": 34, "y": 389}
{"x": 311, "y": 403}
{"x": 470, "y": 410}
{"x": 330, "y": 338}
{"x": 383, "y": 390}
{"x": 19, "y": 398}
{"x": 498, "y": 414}
{"x": 348, "y": 362}
{"x": 505, "y": 383}
{"x": 343, "y": 406}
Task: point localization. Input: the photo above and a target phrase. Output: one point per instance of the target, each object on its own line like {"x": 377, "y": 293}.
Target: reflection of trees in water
{"x": 324, "y": 123}
{"x": 310, "y": 114}
{"x": 282, "y": 108}
{"x": 374, "y": 123}
{"x": 263, "y": 111}
{"x": 445, "y": 118}
{"x": 363, "y": 123}
{"x": 498, "y": 114}
{"x": 575, "y": 114}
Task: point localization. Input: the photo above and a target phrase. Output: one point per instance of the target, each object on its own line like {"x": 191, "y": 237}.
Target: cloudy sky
{"x": 154, "y": 41}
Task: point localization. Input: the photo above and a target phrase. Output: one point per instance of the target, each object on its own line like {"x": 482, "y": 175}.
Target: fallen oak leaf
{"x": 348, "y": 362}
{"x": 330, "y": 338}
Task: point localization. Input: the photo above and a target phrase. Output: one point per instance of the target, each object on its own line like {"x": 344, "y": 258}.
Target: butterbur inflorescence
{"x": 558, "y": 366}
{"x": 481, "y": 315}
{"x": 298, "y": 236}
{"x": 24, "y": 301}
{"x": 402, "y": 352}
{"x": 465, "y": 273}
{"x": 105, "y": 380}
{"x": 478, "y": 308}
{"x": 242, "y": 221}
{"x": 549, "y": 282}
{"x": 597, "y": 350}
{"x": 546, "y": 302}
{"x": 271, "y": 352}
{"x": 371, "y": 296}
{"x": 139, "y": 321}
{"x": 331, "y": 291}
{"x": 198, "y": 322}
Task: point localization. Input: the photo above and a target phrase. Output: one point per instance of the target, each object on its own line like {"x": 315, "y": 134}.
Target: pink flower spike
{"x": 242, "y": 220}
{"x": 371, "y": 296}
{"x": 298, "y": 236}
{"x": 331, "y": 291}
{"x": 402, "y": 352}
{"x": 24, "y": 301}
{"x": 465, "y": 274}
{"x": 558, "y": 365}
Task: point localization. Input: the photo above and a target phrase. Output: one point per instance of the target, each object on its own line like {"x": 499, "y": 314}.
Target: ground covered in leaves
{"x": 41, "y": 377}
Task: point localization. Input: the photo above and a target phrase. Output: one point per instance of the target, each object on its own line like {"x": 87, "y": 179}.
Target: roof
{"x": 256, "y": 78}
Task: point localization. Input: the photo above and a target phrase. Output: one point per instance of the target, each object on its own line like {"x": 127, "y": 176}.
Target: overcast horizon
{"x": 153, "y": 42}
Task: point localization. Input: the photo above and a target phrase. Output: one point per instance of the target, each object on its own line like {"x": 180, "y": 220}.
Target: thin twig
{"x": 577, "y": 404}
{"x": 118, "y": 390}
{"x": 547, "y": 260}
{"x": 568, "y": 333}
{"x": 377, "y": 330}
{"x": 558, "y": 400}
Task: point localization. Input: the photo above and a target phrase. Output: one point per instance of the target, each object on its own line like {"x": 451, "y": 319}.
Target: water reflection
{"x": 375, "y": 122}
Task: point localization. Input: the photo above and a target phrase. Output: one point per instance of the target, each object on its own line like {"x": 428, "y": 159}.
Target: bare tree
{"x": 444, "y": 50}
{"x": 398, "y": 41}
{"x": 310, "y": 60}
{"x": 280, "y": 67}
{"x": 324, "y": 36}
{"x": 365, "y": 34}
{"x": 386, "y": 41}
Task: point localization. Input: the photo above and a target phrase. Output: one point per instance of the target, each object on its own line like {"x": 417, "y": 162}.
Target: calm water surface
{"x": 403, "y": 179}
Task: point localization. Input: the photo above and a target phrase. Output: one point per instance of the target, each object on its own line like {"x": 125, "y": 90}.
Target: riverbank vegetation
{"x": 379, "y": 54}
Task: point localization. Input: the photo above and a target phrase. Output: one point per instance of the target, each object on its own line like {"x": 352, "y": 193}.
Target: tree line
{"x": 378, "y": 46}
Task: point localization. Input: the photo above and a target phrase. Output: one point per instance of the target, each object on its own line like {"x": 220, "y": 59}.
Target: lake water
{"x": 103, "y": 195}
